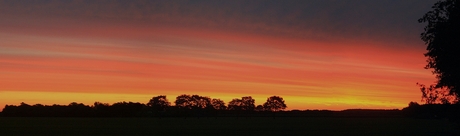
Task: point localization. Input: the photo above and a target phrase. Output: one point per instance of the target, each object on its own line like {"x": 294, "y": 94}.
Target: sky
{"x": 316, "y": 54}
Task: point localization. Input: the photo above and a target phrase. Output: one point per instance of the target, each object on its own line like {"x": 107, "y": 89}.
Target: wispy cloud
{"x": 347, "y": 54}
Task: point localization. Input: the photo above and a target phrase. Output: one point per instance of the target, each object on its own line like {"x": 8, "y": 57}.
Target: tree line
{"x": 158, "y": 106}
{"x": 202, "y": 106}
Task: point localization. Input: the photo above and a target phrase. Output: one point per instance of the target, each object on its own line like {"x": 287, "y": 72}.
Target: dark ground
{"x": 226, "y": 126}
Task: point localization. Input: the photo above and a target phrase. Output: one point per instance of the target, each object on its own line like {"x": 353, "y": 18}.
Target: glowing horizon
{"x": 55, "y": 59}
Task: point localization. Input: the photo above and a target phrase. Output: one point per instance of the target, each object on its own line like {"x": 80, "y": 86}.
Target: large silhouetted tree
{"x": 442, "y": 35}
{"x": 274, "y": 103}
{"x": 159, "y": 103}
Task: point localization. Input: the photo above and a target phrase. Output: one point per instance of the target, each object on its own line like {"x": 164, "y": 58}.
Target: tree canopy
{"x": 193, "y": 102}
{"x": 158, "y": 103}
{"x": 442, "y": 36}
{"x": 246, "y": 103}
{"x": 218, "y": 104}
{"x": 274, "y": 103}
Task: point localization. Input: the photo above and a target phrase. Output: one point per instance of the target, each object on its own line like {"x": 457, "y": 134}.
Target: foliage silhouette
{"x": 442, "y": 35}
{"x": 218, "y": 104}
{"x": 194, "y": 102}
{"x": 274, "y": 103}
{"x": 246, "y": 103}
{"x": 434, "y": 95}
{"x": 159, "y": 103}
{"x": 201, "y": 102}
{"x": 184, "y": 101}
{"x": 199, "y": 106}
{"x": 235, "y": 104}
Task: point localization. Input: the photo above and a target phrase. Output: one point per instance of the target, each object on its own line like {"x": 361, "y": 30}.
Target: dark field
{"x": 226, "y": 126}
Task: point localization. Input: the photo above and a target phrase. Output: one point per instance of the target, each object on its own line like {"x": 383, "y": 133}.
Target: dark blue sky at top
{"x": 383, "y": 20}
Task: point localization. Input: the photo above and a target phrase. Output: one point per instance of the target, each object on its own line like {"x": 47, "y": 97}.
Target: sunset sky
{"x": 316, "y": 54}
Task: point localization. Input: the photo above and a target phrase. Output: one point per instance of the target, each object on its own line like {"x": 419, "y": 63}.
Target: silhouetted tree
{"x": 201, "y": 102}
{"x": 183, "y": 101}
{"x": 245, "y": 103}
{"x": 235, "y": 104}
{"x": 159, "y": 103}
{"x": 193, "y": 102}
{"x": 274, "y": 103}
{"x": 433, "y": 95}
{"x": 218, "y": 104}
{"x": 248, "y": 103}
{"x": 193, "y": 105}
{"x": 442, "y": 35}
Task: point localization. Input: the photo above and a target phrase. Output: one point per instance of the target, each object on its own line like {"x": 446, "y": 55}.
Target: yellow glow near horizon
{"x": 293, "y": 102}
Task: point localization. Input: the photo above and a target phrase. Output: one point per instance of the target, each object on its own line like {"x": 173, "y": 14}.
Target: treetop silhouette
{"x": 274, "y": 103}
{"x": 159, "y": 103}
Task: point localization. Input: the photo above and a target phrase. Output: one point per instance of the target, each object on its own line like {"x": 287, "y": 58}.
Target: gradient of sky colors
{"x": 319, "y": 54}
